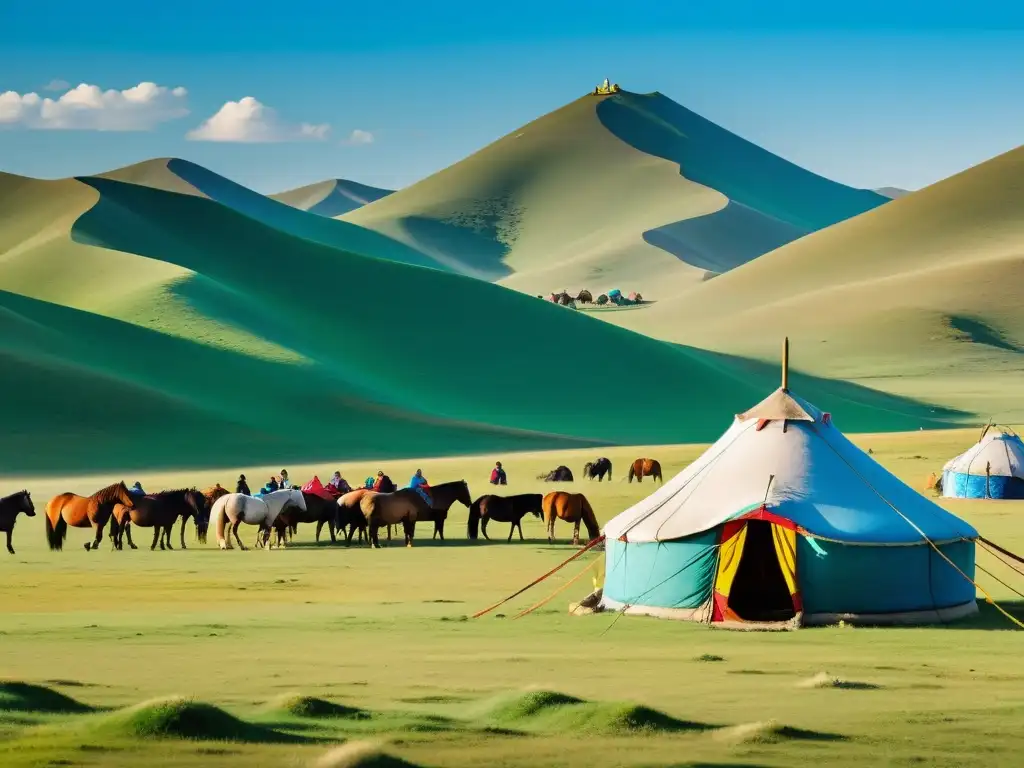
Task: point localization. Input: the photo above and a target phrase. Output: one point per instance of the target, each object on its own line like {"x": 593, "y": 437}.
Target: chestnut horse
{"x": 402, "y": 506}
{"x": 70, "y": 509}
{"x": 573, "y": 508}
{"x": 504, "y": 509}
{"x": 10, "y": 506}
{"x": 350, "y": 515}
{"x": 441, "y": 499}
{"x": 645, "y": 468}
{"x": 159, "y": 511}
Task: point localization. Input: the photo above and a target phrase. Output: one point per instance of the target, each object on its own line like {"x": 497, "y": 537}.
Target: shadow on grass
{"x": 990, "y": 618}
{"x": 17, "y": 696}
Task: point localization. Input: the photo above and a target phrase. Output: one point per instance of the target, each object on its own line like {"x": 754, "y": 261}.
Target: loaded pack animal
{"x": 573, "y": 508}
{"x": 561, "y": 474}
{"x": 159, "y": 511}
{"x": 503, "y": 509}
{"x": 441, "y": 499}
{"x": 598, "y": 469}
{"x": 237, "y": 508}
{"x": 70, "y": 509}
{"x": 401, "y": 507}
{"x": 10, "y": 507}
{"x": 642, "y": 468}
{"x": 319, "y": 510}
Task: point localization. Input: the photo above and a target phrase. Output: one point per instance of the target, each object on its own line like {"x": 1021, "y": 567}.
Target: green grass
{"x": 271, "y": 647}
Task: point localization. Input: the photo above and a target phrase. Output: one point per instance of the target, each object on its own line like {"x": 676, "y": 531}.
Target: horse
{"x": 70, "y": 509}
{"x": 318, "y": 510}
{"x": 350, "y": 516}
{"x": 441, "y": 499}
{"x": 402, "y": 506}
{"x": 573, "y": 508}
{"x": 598, "y": 469}
{"x": 159, "y": 511}
{"x": 504, "y": 509}
{"x": 585, "y": 297}
{"x": 10, "y": 506}
{"x": 645, "y": 467}
{"x": 238, "y": 508}
{"x": 560, "y": 474}
{"x": 211, "y": 495}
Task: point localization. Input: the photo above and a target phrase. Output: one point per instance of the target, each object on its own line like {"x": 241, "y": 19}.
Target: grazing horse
{"x": 159, "y": 511}
{"x": 211, "y": 495}
{"x": 441, "y": 499}
{"x": 238, "y": 508}
{"x": 645, "y": 468}
{"x": 318, "y": 510}
{"x": 504, "y": 509}
{"x": 573, "y": 508}
{"x": 70, "y": 509}
{"x": 598, "y": 469}
{"x": 10, "y": 506}
{"x": 350, "y": 515}
{"x": 402, "y": 506}
{"x": 560, "y": 474}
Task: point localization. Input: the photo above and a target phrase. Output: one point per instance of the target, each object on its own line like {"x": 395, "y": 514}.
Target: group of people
{"x": 380, "y": 483}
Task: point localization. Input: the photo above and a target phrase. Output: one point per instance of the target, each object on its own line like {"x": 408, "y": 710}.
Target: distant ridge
{"x": 333, "y": 197}
{"x": 892, "y": 192}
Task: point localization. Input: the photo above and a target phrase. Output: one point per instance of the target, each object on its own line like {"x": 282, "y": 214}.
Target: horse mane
{"x": 14, "y": 495}
{"x": 110, "y": 493}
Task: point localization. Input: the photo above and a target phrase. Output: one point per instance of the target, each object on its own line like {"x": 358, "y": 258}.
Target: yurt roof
{"x": 1000, "y": 450}
{"x": 788, "y": 456}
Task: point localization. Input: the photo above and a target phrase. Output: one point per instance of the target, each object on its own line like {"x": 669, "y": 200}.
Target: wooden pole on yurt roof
{"x": 785, "y": 365}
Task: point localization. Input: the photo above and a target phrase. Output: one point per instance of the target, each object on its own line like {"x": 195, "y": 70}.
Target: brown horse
{"x": 10, "y": 506}
{"x": 211, "y": 494}
{"x": 642, "y": 468}
{"x": 402, "y": 506}
{"x": 441, "y": 499}
{"x": 70, "y": 509}
{"x": 350, "y": 515}
{"x": 504, "y": 509}
{"x": 159, "y": 511}
{"x": 573, "y": 508}
{"x": 318, "y": 510}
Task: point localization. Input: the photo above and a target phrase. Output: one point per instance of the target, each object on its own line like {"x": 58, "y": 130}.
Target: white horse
{"x": 237, "y": 508}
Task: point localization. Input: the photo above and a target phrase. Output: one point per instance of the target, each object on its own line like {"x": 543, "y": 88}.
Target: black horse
{"x": 441, "y": 499}
{"x": 10, "y": 506}
{"x": 598, "y": 469}
{"x": 504, "y": 509}
{"x": 560, "y": 475}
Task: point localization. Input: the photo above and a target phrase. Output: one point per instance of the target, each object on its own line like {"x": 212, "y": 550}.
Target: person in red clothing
{"x": 498, "y": 476}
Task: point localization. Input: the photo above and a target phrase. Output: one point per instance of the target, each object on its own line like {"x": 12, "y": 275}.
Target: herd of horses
{"x": 361, "y": 511}
{"x": 599, "y": 468}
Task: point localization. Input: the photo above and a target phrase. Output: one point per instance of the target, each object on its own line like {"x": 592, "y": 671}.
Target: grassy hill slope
{"x": 205, "y": 337}
{"x": 333, "y": 197}
{"x": 592, "y": 195}
{"x": 920, "y": 297}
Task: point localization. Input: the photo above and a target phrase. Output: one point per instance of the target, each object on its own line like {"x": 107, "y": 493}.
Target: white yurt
{"x": 993, "y": 468}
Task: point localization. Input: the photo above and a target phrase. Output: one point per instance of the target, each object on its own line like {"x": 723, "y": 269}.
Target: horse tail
{"x": 588, "y": 473}
{"x": 632, "y": 471}
{"x": 589, "y": 518}
{"x": 473, "y": 523}
{"x": 610, "y": 475}
{"x": 56, "y": 531}
{"x": 219, "y": 518}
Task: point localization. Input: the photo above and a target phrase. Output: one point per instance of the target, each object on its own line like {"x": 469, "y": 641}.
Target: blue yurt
{"x": 993, "y": 468}
{"x": 784, "y": 522}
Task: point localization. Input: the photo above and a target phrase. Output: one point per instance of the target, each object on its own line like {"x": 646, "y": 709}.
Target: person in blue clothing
{"x": 136, "y": 490}
{"x": 271, "y": 486}
{"x": 420, "y": 485}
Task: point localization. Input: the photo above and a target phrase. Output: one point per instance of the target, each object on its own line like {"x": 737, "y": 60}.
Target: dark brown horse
{"x": 402, "y": 507}
{"x": 211, "y": 495}
{"x": 441, "y": 499}
{"x": 350, "y": 515}
{"x": 560, "y": 474}
{"x": 159, "y": 511}
{"x": 504, "y": 509}
{"x": 642, "y": 468}
{"x": 598, "y": 469}
{"x": 10, "y": 507}
{"x": 573, "y": 508}
{"x": 318, "y": 510}
{"x": 70, "y": 509}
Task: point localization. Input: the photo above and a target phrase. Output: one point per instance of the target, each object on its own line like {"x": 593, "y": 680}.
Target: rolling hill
{"x": 334, "y": 197}
{"x": 921, "y": 297}
{"x": 141, "y": 327}
{"x": 623, "y": 190}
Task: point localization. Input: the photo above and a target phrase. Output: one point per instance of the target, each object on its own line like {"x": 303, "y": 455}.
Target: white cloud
{"x": 57, "y": 85}
{"x": 88, "y": 108}
{"x": 360, "y": 137}
{"x": 250, "y": 121}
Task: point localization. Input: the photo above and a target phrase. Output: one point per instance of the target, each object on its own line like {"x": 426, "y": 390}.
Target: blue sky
{"x": 869, "y": 93}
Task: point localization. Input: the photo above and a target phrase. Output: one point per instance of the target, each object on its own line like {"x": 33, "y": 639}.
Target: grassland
{"x": 207, "y": 658}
